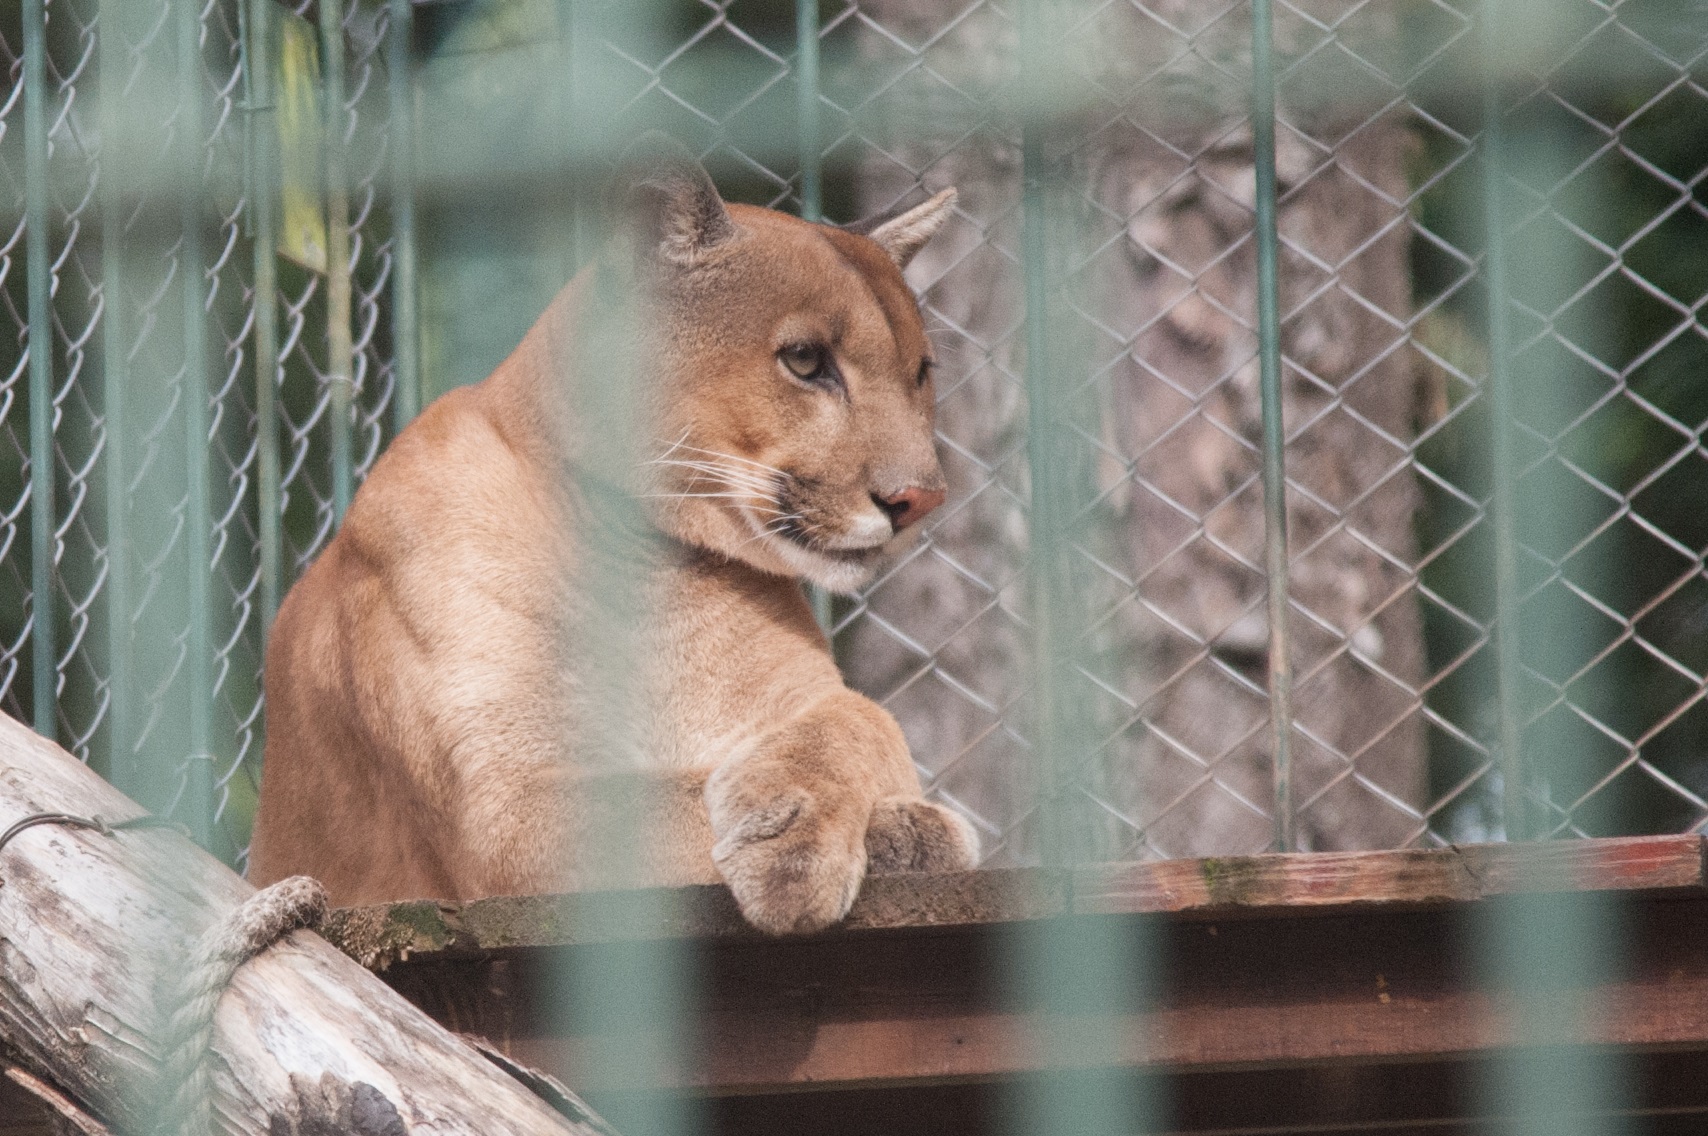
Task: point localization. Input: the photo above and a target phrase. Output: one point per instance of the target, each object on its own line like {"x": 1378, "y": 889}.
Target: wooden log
{"x": 94, "y": 925}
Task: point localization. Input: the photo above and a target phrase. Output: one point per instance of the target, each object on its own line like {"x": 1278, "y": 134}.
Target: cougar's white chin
{"x": 843, "y": 567}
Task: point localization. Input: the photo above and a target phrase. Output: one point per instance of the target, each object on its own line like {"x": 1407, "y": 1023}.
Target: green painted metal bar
{"x": 807, "y": 109}
{"x": 640, "y": 999}
{"x": 340, "y": 352}
{"x": 643, "y": 1001}
{"x": 1547, "y": 955}
{"x": 44, "y": 661}
{"x": 1544, "y": 954}
{"x": 258, "y": 82}
{"x": 1072, "y": 976}
{"x": 405, "y": 297}
{"x": 812, "y": 191}
{"x": 1050, "y": 500}
{"x": 1502, "y": 508}
{"x": 115, "y": 376}
{"x": 1274, "y": 429}
{"x": 192, "y": 273}
{"x": 572, "y": 35}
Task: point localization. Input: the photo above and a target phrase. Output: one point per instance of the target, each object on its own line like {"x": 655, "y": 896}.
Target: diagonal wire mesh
{"x": 1385, "y": 339}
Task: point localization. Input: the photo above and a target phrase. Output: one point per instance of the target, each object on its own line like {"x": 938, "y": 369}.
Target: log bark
{"x": 94, "y": 925}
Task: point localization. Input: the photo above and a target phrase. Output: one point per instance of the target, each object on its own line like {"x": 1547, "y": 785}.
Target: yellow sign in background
{"x": 302, "y": 233}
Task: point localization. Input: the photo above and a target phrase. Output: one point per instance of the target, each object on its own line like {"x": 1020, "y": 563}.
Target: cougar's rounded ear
{"x": 667, "y": 202}
{"x": 903, "y": 232}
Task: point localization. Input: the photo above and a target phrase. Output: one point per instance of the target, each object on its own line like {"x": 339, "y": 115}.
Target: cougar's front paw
{"x": 794, "y": 867}
{"x": 909, "y": 835}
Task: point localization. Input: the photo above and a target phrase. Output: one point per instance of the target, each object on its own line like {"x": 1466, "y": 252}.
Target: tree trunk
{"x": 305, "y": 1040}
{"x": 1162, "y": 151}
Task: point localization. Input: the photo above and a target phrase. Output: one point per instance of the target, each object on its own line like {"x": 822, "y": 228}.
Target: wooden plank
{"x": 1406, "y": 876}
{"x": 1211, "y": 888}
{"x": 904, "y": 1007}
{"x": 1268, "y": 963}
{"x": 1669, "y": 1092}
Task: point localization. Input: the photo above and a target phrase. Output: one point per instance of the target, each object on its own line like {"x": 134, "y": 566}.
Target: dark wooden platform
{"x": 1295, "y": 994}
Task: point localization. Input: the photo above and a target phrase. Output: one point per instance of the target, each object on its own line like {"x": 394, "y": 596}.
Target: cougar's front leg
{"x": 516, "y": 823}
{"x": 793, "y": 819}
{"x": 546, "y": 827}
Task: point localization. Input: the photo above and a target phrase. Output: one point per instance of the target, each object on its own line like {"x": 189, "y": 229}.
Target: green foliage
{"x": 1606, "y": 224}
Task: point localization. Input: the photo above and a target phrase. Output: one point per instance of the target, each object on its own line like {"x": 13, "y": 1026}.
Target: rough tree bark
{"x": 305, "y": 1040}
{"x": 1165, "y": 152}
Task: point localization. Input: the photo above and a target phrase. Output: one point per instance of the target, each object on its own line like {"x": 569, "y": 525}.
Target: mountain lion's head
{"x": 790, "y": 387}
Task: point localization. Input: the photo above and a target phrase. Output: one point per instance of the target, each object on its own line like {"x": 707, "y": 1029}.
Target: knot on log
{"x": 332, "y": 1106}
{"x": 250, "y": 928}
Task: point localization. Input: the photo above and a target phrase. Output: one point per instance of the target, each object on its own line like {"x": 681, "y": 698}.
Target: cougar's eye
{"x": 810, "y": 363}
{"x": 925, "y": 368}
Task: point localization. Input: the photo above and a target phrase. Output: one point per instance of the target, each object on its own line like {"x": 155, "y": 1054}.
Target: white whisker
{"x": 752, "y": 484}
{"x": 771, "y": 528}
{"x": 730, "y": 496}
{"x": 742, "y": 497}
{"x": 711, "y": 467}
{"x": 759, "y": 465}
{"x": 735, "y": 485}
{"x": 721, "y": 471}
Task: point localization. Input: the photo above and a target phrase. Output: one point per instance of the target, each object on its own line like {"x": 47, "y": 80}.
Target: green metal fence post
{"x": 43, "y": 521}
{"x": 812, "y": 193}
{"x": 114, "y": 379}
{"x": 570, "y": 93}
{"x": 807, "y": 109}
{"x": 1274, "y": 430}
{"x": 639, "y": 999}
{"x": 264, "y": 219}
{"x": 406, "y": 347}
{"x": 340, "y": 351}
{"x": 1073, "y": 975}
{"x": 1508, "y": 738}
{"x": 193, "y": 275}
{"x": 1545, "y": 954}
{"x": 1051, "y": 501}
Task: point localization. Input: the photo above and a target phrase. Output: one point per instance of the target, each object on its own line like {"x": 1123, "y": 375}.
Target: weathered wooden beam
{"x": 1213, "y": 888}
{"x": 93, "y": 925}
{"x": 1266, "y": 962}
{"x": 1666, "y": 1095}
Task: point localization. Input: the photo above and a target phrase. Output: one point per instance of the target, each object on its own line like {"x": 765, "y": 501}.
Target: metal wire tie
{"x": 92, "y": 823}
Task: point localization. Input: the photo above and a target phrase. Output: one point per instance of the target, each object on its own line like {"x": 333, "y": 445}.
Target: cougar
{"x": 434, "y": 681}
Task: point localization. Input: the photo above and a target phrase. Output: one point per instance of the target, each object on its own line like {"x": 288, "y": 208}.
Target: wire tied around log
{"x": 186, "y": 1101}
{"x": 92, "y": 823}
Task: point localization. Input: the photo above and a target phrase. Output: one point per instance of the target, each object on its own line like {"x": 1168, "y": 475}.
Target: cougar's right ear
{"x": 903, "y": 232}
{"x": 667, "y": 202}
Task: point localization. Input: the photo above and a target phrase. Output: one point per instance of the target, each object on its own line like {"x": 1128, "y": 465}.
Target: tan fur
{"x": 427, "y": 698}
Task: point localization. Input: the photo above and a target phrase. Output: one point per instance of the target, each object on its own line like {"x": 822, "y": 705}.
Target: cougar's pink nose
{"x": 909, "y": 505}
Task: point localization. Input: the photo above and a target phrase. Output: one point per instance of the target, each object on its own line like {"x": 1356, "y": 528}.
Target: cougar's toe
{"x": 795, "y": 877}
{"x": 910, "y": 835}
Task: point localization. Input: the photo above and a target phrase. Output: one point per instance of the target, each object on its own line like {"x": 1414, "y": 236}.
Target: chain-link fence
{"x": 159, "y": 514}
{"x": 1488, "y": 326}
